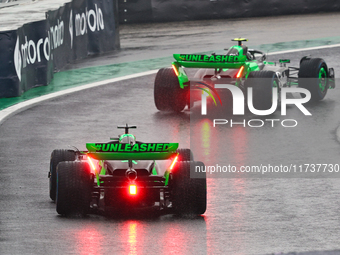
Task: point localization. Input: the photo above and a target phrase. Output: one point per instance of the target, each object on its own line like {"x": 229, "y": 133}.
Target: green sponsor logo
{"x": 123, "y": 147}
{"x": 206, "y": 58}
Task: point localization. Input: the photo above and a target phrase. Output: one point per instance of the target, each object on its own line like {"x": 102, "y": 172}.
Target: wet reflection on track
{"x": 134, "y": 236}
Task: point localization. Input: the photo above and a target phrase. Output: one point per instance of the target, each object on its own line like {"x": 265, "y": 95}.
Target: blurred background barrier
{"x": 135, "y": 11}
{"x": 33, "y": 52}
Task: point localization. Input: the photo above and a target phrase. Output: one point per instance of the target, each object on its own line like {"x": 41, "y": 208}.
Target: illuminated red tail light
{"x": 175, "y": 69}
{"x": 91, "y": 164}
{"x": 238, "y": 75}
{"x": 173, "y": 163}
{"x": 133, "y": 189}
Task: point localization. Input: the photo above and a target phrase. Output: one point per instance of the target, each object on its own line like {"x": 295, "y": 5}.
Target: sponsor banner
{"x": 36, "y": 50}
{"x": 59, "y": 36}
{"x": 102, "y": 22}
{"x": 9, "y": 82}
{"x": 32, "y": 55}
{"x": 91, "y": 27}
{"x": 206, "y": 58}
{"x": 138, "y": 147}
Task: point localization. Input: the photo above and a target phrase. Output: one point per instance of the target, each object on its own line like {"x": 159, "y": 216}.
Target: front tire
{"x": 58, "y": 156}
{"x": 168, "y": 94}
{"x": 313, "y": 75}
{"x": 74, "y": 186}
{"x": 189, "y": 195}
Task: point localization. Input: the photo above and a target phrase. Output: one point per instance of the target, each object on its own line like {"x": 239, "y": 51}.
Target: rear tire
{"x": 74, "y": 186}
{"x": 313, "y": 75}
{"x": 189, "y": 196}
{"x": 168, "y": 94}
{"x": 262, "y": 83}
{"x": 185, "y": 155}
{"x": 58, "y": 156}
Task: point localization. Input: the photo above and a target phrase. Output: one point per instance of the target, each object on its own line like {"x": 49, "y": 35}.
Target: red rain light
{"x": 238, "y": 75}
{"x": 133, "y": 189}
{"x": 173, "y": 163}
{"x": 175, "y": 69}
{"x": 91, "y": 163}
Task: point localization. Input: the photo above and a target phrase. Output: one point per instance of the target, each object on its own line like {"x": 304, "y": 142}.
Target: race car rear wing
{"x": 212, "y": 61}
{"x": 137, "y": 151}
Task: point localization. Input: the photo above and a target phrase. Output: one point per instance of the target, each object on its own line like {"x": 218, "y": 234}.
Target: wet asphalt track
{"x": 244, "y": 216}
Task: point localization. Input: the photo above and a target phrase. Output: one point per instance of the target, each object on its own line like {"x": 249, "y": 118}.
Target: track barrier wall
{"x": 136, "y": 11}
{"x": 32, "y": 53}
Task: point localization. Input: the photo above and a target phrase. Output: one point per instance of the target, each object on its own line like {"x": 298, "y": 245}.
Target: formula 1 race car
{"x": 241, "y": 67}
{"x": 125, "y": 174}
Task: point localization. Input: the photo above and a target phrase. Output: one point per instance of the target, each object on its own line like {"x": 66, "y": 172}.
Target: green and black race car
{"x": 125, "y": 174}
{"x": 242, "y": 67}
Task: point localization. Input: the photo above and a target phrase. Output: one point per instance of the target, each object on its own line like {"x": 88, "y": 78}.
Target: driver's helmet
{"x": 127, "y": 138}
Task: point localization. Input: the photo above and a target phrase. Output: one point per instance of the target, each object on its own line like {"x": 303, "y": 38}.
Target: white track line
{"x": 305, "y": 49}
{"x": 6, "y": 113}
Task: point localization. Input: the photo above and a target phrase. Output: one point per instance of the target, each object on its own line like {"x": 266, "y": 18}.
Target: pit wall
{"x": 32, "y": 53}
{"x": 137, "y": 11}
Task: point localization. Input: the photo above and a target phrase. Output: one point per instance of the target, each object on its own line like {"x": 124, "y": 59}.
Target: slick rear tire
{"x": 185, "y": 155}
{"x": 262, "y": 83}
{"x": 74, "y": 186}
{"x": 189, "y": 196}
{"x": 313, "y": 75}
{"x": 58, "y": 156}
{"x": 168, "y": 95}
